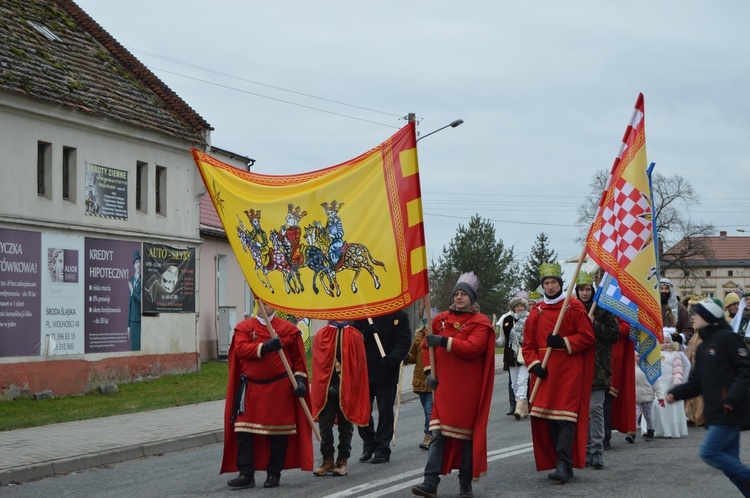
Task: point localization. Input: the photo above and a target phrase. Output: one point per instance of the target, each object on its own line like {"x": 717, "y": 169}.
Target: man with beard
{"x": 674, "y": 313}
{"x": 560, "y": 409}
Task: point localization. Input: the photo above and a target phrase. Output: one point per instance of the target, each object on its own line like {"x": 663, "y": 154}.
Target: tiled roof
{"x": 723, "y": 248}
{"x": 210, "y": 221}
{"x": 87, "y": 70}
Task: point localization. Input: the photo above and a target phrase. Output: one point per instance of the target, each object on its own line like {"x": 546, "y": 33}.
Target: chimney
{"x": 723, "y": 234}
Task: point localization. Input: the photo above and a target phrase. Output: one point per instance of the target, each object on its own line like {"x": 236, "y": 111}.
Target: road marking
{"x": 491, "y": 457}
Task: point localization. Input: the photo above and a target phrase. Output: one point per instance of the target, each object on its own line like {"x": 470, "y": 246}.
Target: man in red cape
{"x": 560, "y": 410}
{"x": 340, "y": 391}
{"x": 464, "y": 343}
{"x": 265, "y": 426}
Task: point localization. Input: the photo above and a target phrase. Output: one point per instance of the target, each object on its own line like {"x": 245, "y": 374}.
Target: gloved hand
{"x": 370, "y": 330}
{"x": 555, "y": 341}
{"x": 301, "y": 386}
{"x": 388, "y": 361}
{"x": 431, "y": 383}
{"x": 539, "y": 371}
{"x": 727, "y": 407}
{"x": 434, "y": 340}
{"x": 270, "y": 345}
{"x": 661, "y": 403}
{"x": 676, "y": 337}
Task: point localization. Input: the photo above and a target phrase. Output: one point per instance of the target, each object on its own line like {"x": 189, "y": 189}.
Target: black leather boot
{"x": 560, "y": 474}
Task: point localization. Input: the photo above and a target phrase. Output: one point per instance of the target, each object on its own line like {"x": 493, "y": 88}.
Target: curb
{"x": 83, "y": 462}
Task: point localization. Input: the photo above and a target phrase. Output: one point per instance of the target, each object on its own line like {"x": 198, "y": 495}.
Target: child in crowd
{"x": 419, "y": 379}
{"x": 645, "y": 393}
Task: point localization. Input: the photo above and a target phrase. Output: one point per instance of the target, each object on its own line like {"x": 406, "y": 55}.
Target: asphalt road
{"x": 663, "y": 467}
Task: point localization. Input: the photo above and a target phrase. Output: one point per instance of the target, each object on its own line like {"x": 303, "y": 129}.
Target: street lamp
{"x": 453, "y": 124}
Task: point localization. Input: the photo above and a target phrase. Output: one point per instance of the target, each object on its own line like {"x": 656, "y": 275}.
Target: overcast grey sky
{"x": 545, "y": 88}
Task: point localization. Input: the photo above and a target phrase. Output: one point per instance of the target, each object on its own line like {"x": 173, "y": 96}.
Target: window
{"x": 161, "y": 190}
{"x": 69, "y": 174}
{"x": 708, "y": 273}
{"x": 43, "y": 170}
{"x": 141, "y": 187}
{"x": 730, "y": 273}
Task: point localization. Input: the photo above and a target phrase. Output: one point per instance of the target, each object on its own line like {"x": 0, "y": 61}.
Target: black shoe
{"x": 380, "y": 459}
{"x": 272, "y": 481}
{"x": 424, "y": 489}
{"x": 464, "y": 491}
{"x": 630, "y": 438}
{"x": 649, "y": 436}
{"x": 366, "y": 455}
{"x": 242, "y": 481}
{"x": 597, "y": 461}
{"x": 560, "y": 474}
{"x": 512, "y": 409}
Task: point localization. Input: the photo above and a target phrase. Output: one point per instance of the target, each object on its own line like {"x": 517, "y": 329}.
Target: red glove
{"x": 661, "y": 403}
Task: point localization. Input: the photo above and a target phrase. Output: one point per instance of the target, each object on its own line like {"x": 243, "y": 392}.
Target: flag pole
{"x": 377, "y": 340}
{"x": 559, "y": 319}
{"x": 428, "y": 308}
{"x": 289, "y": 372}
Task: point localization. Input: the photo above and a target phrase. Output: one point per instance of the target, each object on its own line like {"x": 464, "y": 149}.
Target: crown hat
{"x": 296, "y": 213}
{"x": 333, "y": 207}
{"x": 585, "y": 278}
{"x": 469, "y": 283}
{"x": 253, "y": 214}
{"x": 550, "y": 270}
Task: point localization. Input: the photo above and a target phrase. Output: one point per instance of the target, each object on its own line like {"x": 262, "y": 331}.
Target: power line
{"x": 272, "y": 98}
{"x": 227, "y": 75}
{"x": 506, "y": 221}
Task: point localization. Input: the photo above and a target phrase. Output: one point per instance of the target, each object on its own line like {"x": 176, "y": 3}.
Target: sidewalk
{"x": 60, "y": 448}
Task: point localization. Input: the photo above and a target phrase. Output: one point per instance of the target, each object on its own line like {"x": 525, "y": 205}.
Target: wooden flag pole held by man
{"x": 377, "y": 340}
{"x": 289, "y": 372}
{"x": 559, "y": 320}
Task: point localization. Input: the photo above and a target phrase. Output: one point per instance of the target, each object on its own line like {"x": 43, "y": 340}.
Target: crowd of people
{"x": 573, "y": 370}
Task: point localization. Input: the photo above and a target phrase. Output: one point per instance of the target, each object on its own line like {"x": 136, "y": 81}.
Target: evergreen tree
{"x": 475, "y": 248}
{"x": 540, "y": 253}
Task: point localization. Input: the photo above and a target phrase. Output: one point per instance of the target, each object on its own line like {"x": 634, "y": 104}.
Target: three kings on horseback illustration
{"x": 323, "y": 251}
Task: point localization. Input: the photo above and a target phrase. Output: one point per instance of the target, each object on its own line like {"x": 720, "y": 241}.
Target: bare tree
{"x": 673, "y": 196}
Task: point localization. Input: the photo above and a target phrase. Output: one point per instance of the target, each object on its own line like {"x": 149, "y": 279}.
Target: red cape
{"x": 568, "y": 387}
{"x": 623, "y": 382}
{"x": 299, "y": 453}
{"x": 453, "y": 446}
{"x": 354, "y": 390}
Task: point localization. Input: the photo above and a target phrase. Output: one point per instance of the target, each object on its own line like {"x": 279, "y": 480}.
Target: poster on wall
{"x": 20, "y": 292}
{"x": 62, "y": 313}
{"x": 106, "y": 192}
{"x": 113, "y": 296}
{"x": 168, "y": 279}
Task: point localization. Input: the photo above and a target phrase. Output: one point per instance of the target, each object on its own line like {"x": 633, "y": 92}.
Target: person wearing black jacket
{"x": 722, "y": 375}
{"x": 382, "y": 371}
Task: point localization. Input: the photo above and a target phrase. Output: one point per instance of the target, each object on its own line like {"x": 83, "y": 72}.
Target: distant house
{"x": 727, "y": 269}
{"x": 98, "y": 184}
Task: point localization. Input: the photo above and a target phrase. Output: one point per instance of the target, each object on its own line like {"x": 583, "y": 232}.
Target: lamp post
{"x": 433, "y": 373}
{"x": 452, "y": 124}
